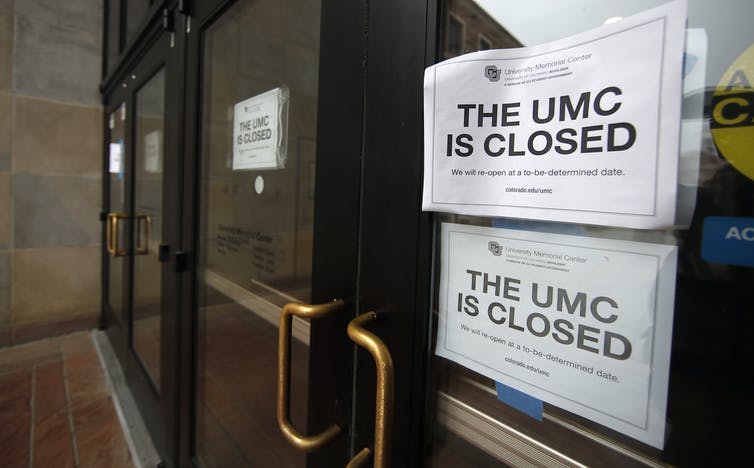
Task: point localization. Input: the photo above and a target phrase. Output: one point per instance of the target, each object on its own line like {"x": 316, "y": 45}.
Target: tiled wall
{"x": 50, "y": 167}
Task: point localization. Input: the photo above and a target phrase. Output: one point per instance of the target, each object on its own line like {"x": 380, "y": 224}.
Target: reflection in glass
{"x": 708, "y": 396}
{"x": 146, "y": 223}
{"x": 117, "y": 175}
{"x": 255, "y": 246}
{"x": 467, "y": 27}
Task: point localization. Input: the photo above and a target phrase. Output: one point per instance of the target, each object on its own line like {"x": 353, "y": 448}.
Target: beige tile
{"x": 6, "y": 114}
{"x": 4, "y": 308}
{"x": 4, "y": 269}
{"x": 77, "y": 343}
{"x": 55, "y": 138}
{"x": 303, "y": 27}
{"x": 6, "y": 336}
{"x": 26, "y": 332}
{"x": 53, "y": 211}
{"x": 55, "y": 283}
{"x": 5, "y": 211}
{"x": 66, "y": 37}
{"x": 27, "y": 356}
{"x": 6, "y": 45}
{"x": 302, "y": 70}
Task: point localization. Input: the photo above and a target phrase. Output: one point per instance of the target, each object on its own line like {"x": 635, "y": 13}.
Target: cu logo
{"x": 492, "y": 72}
{"x": 495, "y": 248}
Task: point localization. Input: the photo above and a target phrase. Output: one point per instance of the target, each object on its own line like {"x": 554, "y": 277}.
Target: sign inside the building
{"x": 116, "y": 158}
{"x": 585, "y": 129}
{"x": 732, "y": 120}
{"x": 153, "y": 152}
{"x": 582, "y": 323}
{"x": 260, "y": 131}
{"x": 728, "y": 240}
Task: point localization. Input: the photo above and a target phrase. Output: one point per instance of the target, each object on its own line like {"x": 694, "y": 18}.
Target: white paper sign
{"x": 582, "y": 130}
{"x": 115, "y": 165}
{"x": 153, "y": 152}
{"x": 584, "y": 324}
{"x": 260, "y": 131}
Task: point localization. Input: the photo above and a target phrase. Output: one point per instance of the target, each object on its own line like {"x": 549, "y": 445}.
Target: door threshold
{"x": 143, "y": 452}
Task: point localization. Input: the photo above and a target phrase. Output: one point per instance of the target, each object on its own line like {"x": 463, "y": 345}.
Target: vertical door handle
{"x": 383, "y": 424}
{"x": 305, "y": 311}
{"x": 111, "y": 234}
{"x": 142, "y": 243}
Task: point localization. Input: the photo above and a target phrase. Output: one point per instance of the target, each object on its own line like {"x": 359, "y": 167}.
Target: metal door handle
{"x": 305, "y": 311}
{"x": 111, "y": 234}
{"x": 146, "y": 221}
{"x": 384, "y": 393}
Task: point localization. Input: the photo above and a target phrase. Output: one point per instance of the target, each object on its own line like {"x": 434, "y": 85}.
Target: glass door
{"x": 257, "y": 154}
{"x": 299, "y": 128}
{"x": 278, "y": 187}
{"x": 325, "y": 212}
{"x": 141, "y": 233}
{"x": 708, "y": 398}
{"x": 274, "y": 221}
{"x": 115, "y": 274}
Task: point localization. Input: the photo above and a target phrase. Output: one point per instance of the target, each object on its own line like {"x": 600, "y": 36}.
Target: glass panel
{"x": 147, "y": 223}
{"x": 709, "y": 399}
{"x": 455, "y": 32}
{"x": 117, "y": 176}
{"x": 136, "y": 17}
{"x": 255, "y": 251}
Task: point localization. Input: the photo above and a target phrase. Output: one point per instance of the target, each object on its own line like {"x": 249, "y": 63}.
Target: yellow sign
{"x": 732, "y": 122}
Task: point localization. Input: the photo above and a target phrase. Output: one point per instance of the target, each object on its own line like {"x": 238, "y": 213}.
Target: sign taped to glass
{"x": 583, "y": 130}
{"x": 581, "y": 323}
{"x": 260, "y": 131}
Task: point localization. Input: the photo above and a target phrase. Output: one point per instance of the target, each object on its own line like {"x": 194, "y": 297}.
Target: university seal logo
{"x": 492, "y": 73}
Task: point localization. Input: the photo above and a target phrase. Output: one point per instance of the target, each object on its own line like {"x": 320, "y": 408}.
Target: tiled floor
{"x": 56, "y": 409}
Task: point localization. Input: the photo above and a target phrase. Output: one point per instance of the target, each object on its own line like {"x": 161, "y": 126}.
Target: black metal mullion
{"x": 122, "y": 25}
{"x": 130, "y": 188}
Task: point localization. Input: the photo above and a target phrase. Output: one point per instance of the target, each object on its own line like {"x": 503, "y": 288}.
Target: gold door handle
{"x": 305, "y": 311}
{"x": 384, "y": 393}
{"x": 111, "y": 234}
{"x": 146, "y": 221}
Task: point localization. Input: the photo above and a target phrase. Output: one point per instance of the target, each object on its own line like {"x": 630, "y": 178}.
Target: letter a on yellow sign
{"x": 732, "y": 122}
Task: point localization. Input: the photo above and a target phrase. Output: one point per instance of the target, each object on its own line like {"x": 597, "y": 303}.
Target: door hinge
{"x": 184, "y": 7}
{"x": 181, "y": 261}
{"x": 168, "y": 20}
{"x": 103, "y": 216}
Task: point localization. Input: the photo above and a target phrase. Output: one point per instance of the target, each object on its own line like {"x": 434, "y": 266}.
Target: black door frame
{"x": 395, "y": 235}
{"x": 373, "y": 245}
{"x": 151, "y": 52}
{"x": 336, "y": 215}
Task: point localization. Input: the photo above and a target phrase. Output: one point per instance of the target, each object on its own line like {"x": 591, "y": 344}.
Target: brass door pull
{"x": 384, "y": 392}
{"x": 111, "y": 235}
{"x": 142, "y": 243}
{"x": 112, "y": 240}
{"x": 305, "y": 311}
